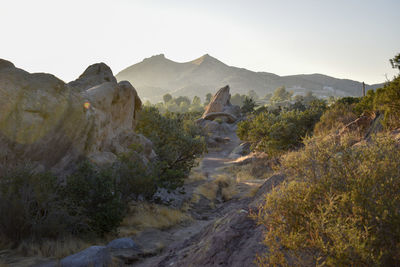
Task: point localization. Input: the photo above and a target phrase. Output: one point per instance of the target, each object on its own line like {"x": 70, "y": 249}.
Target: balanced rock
{"x": 221, "y": 107}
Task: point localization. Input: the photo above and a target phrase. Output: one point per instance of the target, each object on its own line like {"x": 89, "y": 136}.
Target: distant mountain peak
{"x": 204, "y": 58}
{"x": 155, "y": 57}
{"x": 158, "y": 75}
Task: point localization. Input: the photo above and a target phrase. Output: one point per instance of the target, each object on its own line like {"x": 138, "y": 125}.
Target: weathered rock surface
{"x": 220, "y": 106}
{"x": 94, "y": 75}
{"x": 122, "y": 243}
{"x": 96, "y": 256}
{"x": 53, "y": 124}
{"x": 233, "y": 240}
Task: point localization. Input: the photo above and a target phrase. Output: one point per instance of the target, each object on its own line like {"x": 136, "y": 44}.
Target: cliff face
{"x": 52, "y": 124}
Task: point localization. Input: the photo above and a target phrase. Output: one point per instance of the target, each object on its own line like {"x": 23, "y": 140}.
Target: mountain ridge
{"x": 157, "y": 75}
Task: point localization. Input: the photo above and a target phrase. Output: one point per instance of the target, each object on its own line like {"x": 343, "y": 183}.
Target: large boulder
{"x": 94, "y": 75}
{"x": 220, "y": 107}
{"x": 96, "y": 256}
{"x": 53, "y": 124}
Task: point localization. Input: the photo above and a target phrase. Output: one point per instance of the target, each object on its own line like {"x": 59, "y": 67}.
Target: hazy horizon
{"x": 344, "y": 39}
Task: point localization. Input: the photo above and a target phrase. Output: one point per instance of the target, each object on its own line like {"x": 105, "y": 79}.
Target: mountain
{"x": 157, "y": 75}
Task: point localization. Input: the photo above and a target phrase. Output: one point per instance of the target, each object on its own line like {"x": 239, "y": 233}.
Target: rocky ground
{"x": 221, "y": 236}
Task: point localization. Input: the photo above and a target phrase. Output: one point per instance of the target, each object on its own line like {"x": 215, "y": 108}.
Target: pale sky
{"x": 342, "y": 38}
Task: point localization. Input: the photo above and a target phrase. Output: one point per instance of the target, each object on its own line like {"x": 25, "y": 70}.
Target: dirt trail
{"x": 210, "y": 167}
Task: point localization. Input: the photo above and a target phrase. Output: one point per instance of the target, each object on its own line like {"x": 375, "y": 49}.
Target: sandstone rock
{"x": 51, "y": 124}
{"x": 94, "y": 75}
{"x": 220, "y": 106}
{"x": 96, "y": 256}
{"x": 233, "y": 240}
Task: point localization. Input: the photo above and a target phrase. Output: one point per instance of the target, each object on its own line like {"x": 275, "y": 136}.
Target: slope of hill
{"x": 157, "y": 75}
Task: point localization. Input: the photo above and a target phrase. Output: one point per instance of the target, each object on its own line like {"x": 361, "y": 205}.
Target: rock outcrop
{"x": 220, "y": 107}
{"x": 96, "y": 256}
{"x": 235, "y": 239}
{"x": 52, "y": 124}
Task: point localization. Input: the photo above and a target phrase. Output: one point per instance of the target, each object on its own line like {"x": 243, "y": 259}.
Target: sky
{"x": 351, "y": 39}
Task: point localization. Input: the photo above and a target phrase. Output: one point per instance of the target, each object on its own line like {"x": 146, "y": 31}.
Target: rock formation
{"x": 227, "y": 114}
{"x": 52, "y": 124}
{"x": 220, "y": 107}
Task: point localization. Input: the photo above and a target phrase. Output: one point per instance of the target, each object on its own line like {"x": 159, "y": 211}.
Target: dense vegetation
{"x": 277, "y": 130}
{"x": 177, "y": 142}
{"x": 339, "y": 205}
{"x": 92, "y": 200}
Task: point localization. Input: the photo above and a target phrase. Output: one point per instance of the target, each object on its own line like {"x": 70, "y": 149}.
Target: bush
{"x": 387, "y": 100}
{"x": 337, "y": 116}
{"x": 93, "y": 196}
{"x": 340, "y": 206}
{"x": 30, "y": 206}
{"x": 134, "y": 179}
{"x": 177, "y": 142}
{"x": 248, "y": 105}
{"x": 276, "y": 132}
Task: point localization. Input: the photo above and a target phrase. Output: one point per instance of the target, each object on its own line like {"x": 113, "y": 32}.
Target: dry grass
{"x": 145, "y": 215}
{"x": 223, "y": 184}
{"x": 52, "y": 248}
{"x": 227, "y": 185}
{"x": 196, "y": 176}
{"x": 259, "y": 168}
{"x": 208, "y": 190}
{"x": 252, "y": 192}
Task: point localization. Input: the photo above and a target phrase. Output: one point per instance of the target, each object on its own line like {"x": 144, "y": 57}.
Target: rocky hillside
{"x": 52, "y": 124}
{"x": 157, "y": 75}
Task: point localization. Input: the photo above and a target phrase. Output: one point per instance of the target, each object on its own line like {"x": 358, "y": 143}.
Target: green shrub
{"x": 277, "y": 132}
{"x": 134, "y": 178}
{"x": 177, "y": 142}
{"x": 339, "y": 207}
{"x": 248, "y": 105}
{"x": 337, "y": 116}
{"x": 93, "y": 196}
{"x": 30, "y": 206}
{"x": 387, "y": 100}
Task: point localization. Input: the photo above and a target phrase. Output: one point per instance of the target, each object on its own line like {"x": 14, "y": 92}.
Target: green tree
{"x": 181, "y": 99}
{"x": 238, "y": 99}
{"x": 208, "y": 98}
{"x": 176, "y": 142}
{"x": 248, "y": 105}
{"x": 395, "y": 62}
{"x": 280, "y": 95}
{"x": 196, "y": 101}
{"x": 253, "y": 95}
{"x": 167, "y": 98}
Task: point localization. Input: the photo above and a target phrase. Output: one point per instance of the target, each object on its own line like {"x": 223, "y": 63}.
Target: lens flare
{"x": 86, "y": 105}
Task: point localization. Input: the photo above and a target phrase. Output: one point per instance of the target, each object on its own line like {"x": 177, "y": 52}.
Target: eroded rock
{"x": 221, "y": 107}
{"x": 53, "y": 124}
{"x": 96, "y": 256}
